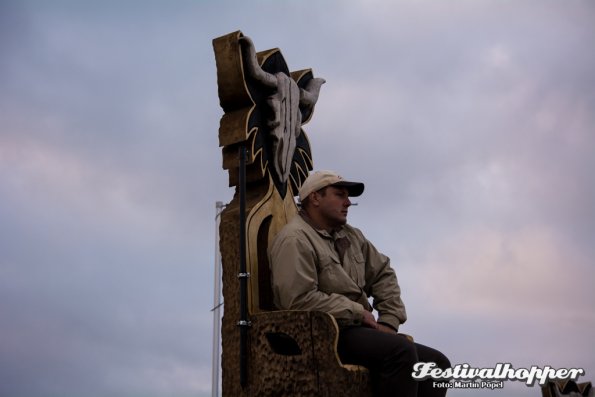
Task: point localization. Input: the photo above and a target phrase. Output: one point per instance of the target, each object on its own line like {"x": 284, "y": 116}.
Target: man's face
{"x": 333, "y": 204}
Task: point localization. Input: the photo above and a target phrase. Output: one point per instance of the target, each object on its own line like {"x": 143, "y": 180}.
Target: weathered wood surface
{"x": 283, "y": 375}
{"x": 338, "y": 380}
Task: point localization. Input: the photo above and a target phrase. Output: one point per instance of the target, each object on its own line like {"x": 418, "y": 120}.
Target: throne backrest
{"x": 264, "y": 221}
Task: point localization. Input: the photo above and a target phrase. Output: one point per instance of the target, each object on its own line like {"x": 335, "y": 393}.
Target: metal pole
{"x": 243, "y": 275}
{"x": 216, "y": 306}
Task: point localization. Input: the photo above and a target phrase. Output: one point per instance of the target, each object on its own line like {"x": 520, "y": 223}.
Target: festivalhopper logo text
{"x": 502, "y": 371}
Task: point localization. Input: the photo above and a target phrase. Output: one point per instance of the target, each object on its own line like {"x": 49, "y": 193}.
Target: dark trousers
{"x": 390, "y": 359}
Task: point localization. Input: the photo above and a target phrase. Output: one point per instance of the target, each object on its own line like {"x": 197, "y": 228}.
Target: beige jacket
{"x": 308, "y": 274}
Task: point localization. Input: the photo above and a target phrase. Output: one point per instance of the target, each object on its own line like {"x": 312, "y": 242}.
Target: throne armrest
{"x": 295, "y": 353}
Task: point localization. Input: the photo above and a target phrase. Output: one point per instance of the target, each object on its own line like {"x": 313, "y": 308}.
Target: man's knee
{"x": 404, "y": 352}
{"x": 428, "y": 354}
{"x": 442, "y": 361}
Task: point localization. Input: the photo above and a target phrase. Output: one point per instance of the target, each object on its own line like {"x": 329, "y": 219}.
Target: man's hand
{"x": 369, "y": 320}
{"x": 386, "y": 328}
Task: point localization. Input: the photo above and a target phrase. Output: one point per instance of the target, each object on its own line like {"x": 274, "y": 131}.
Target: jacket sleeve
{"x": 382, "y": 285}
{"x": 295, "y": 282}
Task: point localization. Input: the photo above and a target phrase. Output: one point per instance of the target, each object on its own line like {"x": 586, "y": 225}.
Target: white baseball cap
{"x": 320, "y": 179}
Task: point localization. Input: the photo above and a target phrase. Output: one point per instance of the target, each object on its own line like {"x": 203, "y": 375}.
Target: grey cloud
{"x": 473, "y": 119}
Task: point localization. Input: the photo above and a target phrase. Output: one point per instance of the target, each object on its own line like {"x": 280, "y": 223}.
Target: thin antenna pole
{"x": 243, "y": 275}
{"x": 216, "y": 305}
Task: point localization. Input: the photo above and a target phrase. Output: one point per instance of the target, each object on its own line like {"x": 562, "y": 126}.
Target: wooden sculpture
{"x": 268, "y": 352}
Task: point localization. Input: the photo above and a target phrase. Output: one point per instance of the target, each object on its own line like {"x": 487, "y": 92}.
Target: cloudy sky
{"x": 471, "y": 122}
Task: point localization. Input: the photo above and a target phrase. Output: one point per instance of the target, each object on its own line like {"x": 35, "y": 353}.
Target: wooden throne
{"x": 281, "y": 353}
